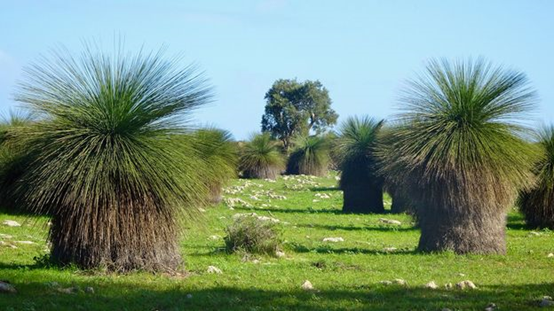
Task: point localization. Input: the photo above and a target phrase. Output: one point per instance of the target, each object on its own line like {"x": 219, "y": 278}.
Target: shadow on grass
{"x": 354, "y": 228}
{"x": 299, "y": 248}
{"x": 291, "y": 210}
{"x": 322, "y": 189}
{"x": 516, "y": 222}
{"x": 116, "y": 295}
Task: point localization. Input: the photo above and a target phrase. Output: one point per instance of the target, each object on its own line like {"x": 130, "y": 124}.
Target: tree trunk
{"x": 362, "y": 199}
{"x": 216, "y": 193}
{"x": 468, "y": 231}
{"x": 400, "y": 204}
{"x": 538, "y": 208}
{"x": 118, "y": 239}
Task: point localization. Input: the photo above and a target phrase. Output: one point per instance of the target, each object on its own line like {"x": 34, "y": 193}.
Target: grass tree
{"x": 460, "y": 154}
{"x": 361, "y": 184}
{"x": 220, "y": 155}
{"x": 110, "y": 169}
{"x": 14, "y": 159}
{"x": 261, "y": 158}
{"x": 310, "y": 156}
{"x": 537, "y": 203}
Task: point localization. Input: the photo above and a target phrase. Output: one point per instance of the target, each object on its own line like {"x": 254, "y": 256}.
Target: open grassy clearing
{"x": 346, "y": 275}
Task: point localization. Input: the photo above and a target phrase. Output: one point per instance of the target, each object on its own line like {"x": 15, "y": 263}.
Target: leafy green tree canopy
{"x": 294, "y": 108}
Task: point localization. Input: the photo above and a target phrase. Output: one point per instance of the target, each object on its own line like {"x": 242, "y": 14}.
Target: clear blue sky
{"x": 361, "y": 51}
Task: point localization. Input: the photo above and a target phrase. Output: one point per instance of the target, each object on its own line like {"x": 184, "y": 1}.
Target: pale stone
{"x": 431, "y": 285}
{"x": 390, "y": 221}
{"x": 307, "y": 285}
{"x": 213, "y": 269}
{"x": 334, "y": 240}
{"x": 11, "y": 223}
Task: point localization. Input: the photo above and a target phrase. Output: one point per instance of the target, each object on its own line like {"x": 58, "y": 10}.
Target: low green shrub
{"x": 253, "y": 234}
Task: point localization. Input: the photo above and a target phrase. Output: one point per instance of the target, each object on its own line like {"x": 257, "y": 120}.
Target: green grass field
{"x": 346, "y": 275}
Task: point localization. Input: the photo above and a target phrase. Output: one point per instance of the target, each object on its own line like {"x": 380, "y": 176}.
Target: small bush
{"x": 253, "y": 234}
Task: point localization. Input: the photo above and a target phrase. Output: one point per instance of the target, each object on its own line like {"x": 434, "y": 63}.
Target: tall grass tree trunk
{"x": 362, "y": 198}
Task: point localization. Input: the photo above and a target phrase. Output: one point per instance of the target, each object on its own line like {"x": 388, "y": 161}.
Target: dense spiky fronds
{"x": 220, "y": 155}
{"x": 310, "y": 156}
{"x": 459, "y": 151}
{"x": 537, "y": 204}
{"x": 261, "y": 158}
{"x": 110, "y": 168}
{"x": 355, "y": 147}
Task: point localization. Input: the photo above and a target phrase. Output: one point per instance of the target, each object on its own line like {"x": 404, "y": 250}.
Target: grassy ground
{"x": 346, "y": 275}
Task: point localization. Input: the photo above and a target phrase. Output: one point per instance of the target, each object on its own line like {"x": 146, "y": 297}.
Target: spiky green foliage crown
{"x": 261, "y": 154}
{"x": 459, "y": 129}
{"x": 355, "y": 147}
{"x": 310, "y": 156}
{"x": 106, "y": 129}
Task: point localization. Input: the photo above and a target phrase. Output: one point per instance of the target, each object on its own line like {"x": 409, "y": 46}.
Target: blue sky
{"x": 362, "y": 51}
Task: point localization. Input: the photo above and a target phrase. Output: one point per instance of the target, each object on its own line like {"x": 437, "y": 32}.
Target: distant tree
{"x": 294, "y": 108}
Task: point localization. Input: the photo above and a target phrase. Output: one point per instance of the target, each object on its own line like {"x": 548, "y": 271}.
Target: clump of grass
{"x": 309, "y": 157}
{"x": 250, "y": 234}
{"x": 261, "y": 158}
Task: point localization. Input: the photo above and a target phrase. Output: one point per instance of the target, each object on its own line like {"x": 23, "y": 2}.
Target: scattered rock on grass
{"x": 11, "y": 223}
{"x": 551, "y": 255}
{"x": 466, "y": 284}
{"x": 400, "y": 282}
{"x": 491, "y": 307}
{"x": 546, "y": 302}
{"x": 25, "y": 242}
{"x": 189, "y": 296}
{"x": 334, "y": 240}
{"x": 307, "y": 285}
{"x": 386, "y": 282}
{"x": 69, "y": 290}
{"x": 390, "y": 221}
{"x": 5, "y": 236}
{"x": 534, "y": 233}
{"x": 89, "y": 290}
{"x": 448, "y": 286}
{"x": 389, "y": 249}
{"x": 431, "y": 285}
{"x": 214, "y": 269}
{"x": 280, "y": 254}
{"x": 6, "y": 287}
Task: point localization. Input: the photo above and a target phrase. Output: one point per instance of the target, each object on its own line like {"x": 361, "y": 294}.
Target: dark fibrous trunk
{"x": 456, "y": 216}
{"x": 475, "y": 231}
{"x": 216, "y": 193}
{"x": 266, "y": 172}
{"x": 117, "y": 239}
{"x": 362, "y": 199}
{"x": 538, "y": 208}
